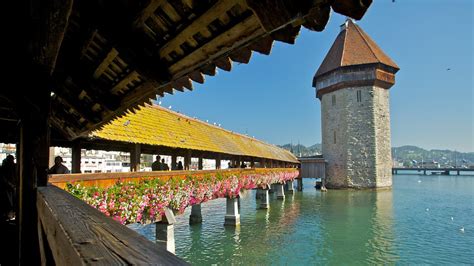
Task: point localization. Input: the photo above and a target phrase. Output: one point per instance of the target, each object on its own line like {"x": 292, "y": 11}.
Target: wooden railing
{"x": 109, "y": 179}
{"x": 72, "y": 233}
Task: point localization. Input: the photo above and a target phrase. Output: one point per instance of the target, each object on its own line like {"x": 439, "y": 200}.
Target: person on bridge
{"x": 180, "y": 166}
{"x": 156, "y": 165}
{"x": 58, "y": 167}
{"x": 8, "y": 182}
{"x": 243, "y": 165}
{"x": 164, "y": 166}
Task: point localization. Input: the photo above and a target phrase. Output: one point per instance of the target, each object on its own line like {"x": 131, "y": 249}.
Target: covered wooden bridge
{"x": 73, "y": 66}
{"x": 152, "y": 129}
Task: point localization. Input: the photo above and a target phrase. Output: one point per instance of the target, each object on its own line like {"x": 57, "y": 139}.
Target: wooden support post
{"x": 232, "y": 216}
{"x": 218, "y": 161}
{"x": 252, "y": 163}
{"x": 135, "y": 158}
{"x": 187, "y": 160}
{"x": 280, "y": 191}
{"x": 174, "y": 164}
{"x": 33, "y": 161}
{"x": 164, "y": 233}
{"x": 51, "y": 157}
{"x": 264, "y": 198}
{"x": 299, "y": 183}
{"x": 196, "y": 216}
{"x": 200, "y": 161}
{"x": 271, "y": 163}
{"x": 76, "y": 158}
{"x": 262, "y": 163}
{"x": 289, "y": 187}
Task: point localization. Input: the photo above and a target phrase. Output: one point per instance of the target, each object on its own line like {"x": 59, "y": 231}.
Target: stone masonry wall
{"x": 383, "y": 137}
{"x": 361, "y": 156}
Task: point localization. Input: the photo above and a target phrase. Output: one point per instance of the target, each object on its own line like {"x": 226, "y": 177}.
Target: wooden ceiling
{"x": 118, "y": 54}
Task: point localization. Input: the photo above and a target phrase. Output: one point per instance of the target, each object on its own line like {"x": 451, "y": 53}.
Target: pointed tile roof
{"x": 353, "y": 47}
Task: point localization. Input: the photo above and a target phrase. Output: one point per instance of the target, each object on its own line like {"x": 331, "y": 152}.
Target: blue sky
{"x": 271, "y": 98}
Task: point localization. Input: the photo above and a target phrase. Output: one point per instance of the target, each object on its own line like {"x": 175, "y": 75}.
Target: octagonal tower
{"x": 353, "y": 85}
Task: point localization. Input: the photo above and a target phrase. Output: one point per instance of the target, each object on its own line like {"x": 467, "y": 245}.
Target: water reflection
{"x": 338, "y": 227}
{"x": 381, "y": 244}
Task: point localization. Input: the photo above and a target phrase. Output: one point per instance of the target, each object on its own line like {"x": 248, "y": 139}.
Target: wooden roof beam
{"x": 263, "y": 45}
{"x": 227, "y": 41}
{"x": 111, "y": 55}
{"x": 120, "y": 86}
{"x": 278, "y": 14}
{"x": 352, "y": 8}
{"x": 224, "y": 63}
{"x": 219, "y": 8}
{"x": 242, "y": 55}
{"x": 288, "y": 34}
{"x": 197, "y": 77}
{"x": 209, "y": 69}
{"x": 147, "y": 12}
{"x": 49, "y": 23}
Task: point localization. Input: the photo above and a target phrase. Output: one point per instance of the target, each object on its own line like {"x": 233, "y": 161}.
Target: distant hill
{"x": 301, "y": 150}
{"x": 404, "y": 154}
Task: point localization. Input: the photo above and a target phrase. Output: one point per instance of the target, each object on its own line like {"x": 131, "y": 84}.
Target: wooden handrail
{"x": 72, "y": 233}
{"x": 109, "y": 179}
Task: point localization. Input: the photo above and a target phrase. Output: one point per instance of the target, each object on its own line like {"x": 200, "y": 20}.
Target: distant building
{"x": 352, "y": 84}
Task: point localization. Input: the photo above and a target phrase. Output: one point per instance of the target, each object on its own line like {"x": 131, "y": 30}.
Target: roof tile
{"x": 353, "y": 47}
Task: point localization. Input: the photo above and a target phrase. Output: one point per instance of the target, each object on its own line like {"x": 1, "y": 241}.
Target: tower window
{"x": 334, "y": 137}
{"x": 359, "y": 96}
{"x": 333, "y": 100}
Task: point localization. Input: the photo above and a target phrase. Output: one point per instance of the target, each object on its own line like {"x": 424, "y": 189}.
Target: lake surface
{"x": 418, "y": 221}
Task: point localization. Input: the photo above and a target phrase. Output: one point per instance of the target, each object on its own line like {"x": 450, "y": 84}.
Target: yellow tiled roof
{"x": 155, "y": 125}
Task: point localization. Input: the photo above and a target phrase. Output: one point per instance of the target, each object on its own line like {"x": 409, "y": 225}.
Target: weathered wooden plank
{"x": 181, "y": 83}
{"x": 124, "y": 82}
{"x": 263, "y": 45}
{"x": 317, "y": 18}
{"x": 147, "y": 12}
{"x": 48, "y": 24}
{"x": 352, "y": 8}
{"x": 224, "y": 63}
{"x": 273, "y": 14}
{"x": 79, "y": 234}
{"x": 171, "y": 12}
{"x": 105, "y": 63}
{"x": 87, "y": 43}
{"x": 197, "y": 77}
{"x": 201, "y": 22}
{"x": 33, "y": 160}
{"x": 209, "y": 69}
{"x": 231, "y": 39}
{"x": 287, "y": 35}
{"x": 242, "y": 55}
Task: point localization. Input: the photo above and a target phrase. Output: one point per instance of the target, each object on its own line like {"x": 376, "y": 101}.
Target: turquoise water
{"x": 410, "y": 224}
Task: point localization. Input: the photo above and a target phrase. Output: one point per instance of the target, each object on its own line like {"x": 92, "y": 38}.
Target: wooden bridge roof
{"x": 158, "y": 126}
{"x": 109, "y": 56}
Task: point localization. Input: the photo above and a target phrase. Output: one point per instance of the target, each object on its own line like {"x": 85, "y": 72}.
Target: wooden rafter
{"x": 226, "y": 41}
{"x": 198, "y": 25}
{"x": 111, "y": 55}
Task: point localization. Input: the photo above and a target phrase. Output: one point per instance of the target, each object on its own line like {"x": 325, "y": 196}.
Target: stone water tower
{"x": 353, "y": 85}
